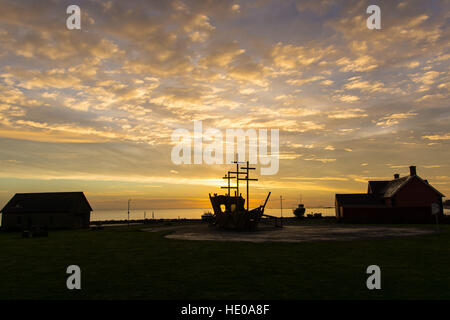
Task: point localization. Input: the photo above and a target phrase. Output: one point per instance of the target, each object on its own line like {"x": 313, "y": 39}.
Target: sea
{"x": 102, "y": 215}
{"x": 118, "y": 215}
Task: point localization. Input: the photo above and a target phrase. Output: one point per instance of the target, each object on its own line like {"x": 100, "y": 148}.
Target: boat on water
{"x": 230, "y": 211}
{"x": 299, "y": 212}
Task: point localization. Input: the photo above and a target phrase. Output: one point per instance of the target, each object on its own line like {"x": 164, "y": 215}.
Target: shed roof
{"x": 360, "y": 199}
{"x": 48, "y": 202}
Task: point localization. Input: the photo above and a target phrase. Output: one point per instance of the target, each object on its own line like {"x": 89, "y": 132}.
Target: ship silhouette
{"x": 299, "y": 212}
{"x": 229, "y": 210}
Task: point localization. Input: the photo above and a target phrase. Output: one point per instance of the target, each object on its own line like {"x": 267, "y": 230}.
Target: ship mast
{"x": 237, "y": 173}
{"x": 247, "y": 178}
{"x": 229, "y": 187}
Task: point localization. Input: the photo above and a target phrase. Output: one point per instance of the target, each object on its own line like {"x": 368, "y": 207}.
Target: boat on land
{"x": 232, "y": 211}
{"x": 207, "y": 216}
{"x": 316, "y": 215}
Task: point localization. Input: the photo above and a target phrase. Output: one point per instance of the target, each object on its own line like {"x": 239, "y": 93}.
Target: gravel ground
{"x": 300, "y": 233}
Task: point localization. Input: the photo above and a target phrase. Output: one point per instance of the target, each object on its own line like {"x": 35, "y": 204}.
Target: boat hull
{"x": 229, "y": 213}
{"x": 300, "y": 211}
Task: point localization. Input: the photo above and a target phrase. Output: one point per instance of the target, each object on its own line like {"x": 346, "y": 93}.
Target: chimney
{"x": 412, "y": 170}
{"x": 396, "y": 176}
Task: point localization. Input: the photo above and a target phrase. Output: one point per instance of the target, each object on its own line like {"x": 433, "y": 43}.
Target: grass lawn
{"x": 122, "y": 263}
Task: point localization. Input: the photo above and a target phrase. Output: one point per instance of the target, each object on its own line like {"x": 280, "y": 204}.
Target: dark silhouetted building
{"x": 408, "y": 199}
{"x": 56, "y": 210}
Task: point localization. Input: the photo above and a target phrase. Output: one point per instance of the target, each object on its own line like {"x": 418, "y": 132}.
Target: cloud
{"x": 247, "y": 70}
{"x": 327, "y": 82}
{"x": 288, "y": 57}
{"x": 323, "y": 160}
{"x": 299, "y": 82}
{"x": 359, "y": 64}
{"x": 356, "y": 83}
{"x": 347, "y": 114}
{"x": 347, "y": 98}
{"x": 394, "y": 119}
{"x": 317, "y": 178}
{"x": 222, "y": 55}
{"x": 199, "y": 28}
{"x": 437, "y": 137}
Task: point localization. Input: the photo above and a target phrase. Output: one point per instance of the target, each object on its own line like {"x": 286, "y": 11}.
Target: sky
{"x": 94, "y": 109}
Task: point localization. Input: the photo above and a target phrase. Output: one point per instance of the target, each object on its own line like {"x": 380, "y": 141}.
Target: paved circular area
{"x": 291, "y": 233}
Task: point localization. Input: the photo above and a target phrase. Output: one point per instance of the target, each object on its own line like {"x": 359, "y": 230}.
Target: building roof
{"x": 394, "y": 185}
{"x": 360, "y": 199}
{"x": 389, "y": 188}
{"x": 51, "y": 202}
{"x": 377, "y": 186}
{"x": 378, "y": 190}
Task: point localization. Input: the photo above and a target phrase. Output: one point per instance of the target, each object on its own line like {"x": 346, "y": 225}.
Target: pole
{"x": 237, "y": 175}
{"x": 129, "y": 200}
{"x": 248, "y": 176}
{"x": 228, "y": 177}
{"x": 237, "y": 182}
{"x": 436, "y": 209}
{"x": 281, "y": 208}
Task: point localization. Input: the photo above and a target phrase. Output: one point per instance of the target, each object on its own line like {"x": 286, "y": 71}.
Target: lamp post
{"x": 129, "y": 200}
{"x": 281, "y": 209}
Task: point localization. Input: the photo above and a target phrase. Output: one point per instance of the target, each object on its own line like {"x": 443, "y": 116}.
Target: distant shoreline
{"x": 188, "y": 213}
{"x": 183, "y": 220}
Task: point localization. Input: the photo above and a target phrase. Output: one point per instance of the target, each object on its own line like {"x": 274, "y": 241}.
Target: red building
{"x": 408, "y": 199}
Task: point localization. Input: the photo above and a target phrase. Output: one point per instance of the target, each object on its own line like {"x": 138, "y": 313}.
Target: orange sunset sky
{"x": 93, "y": 110}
